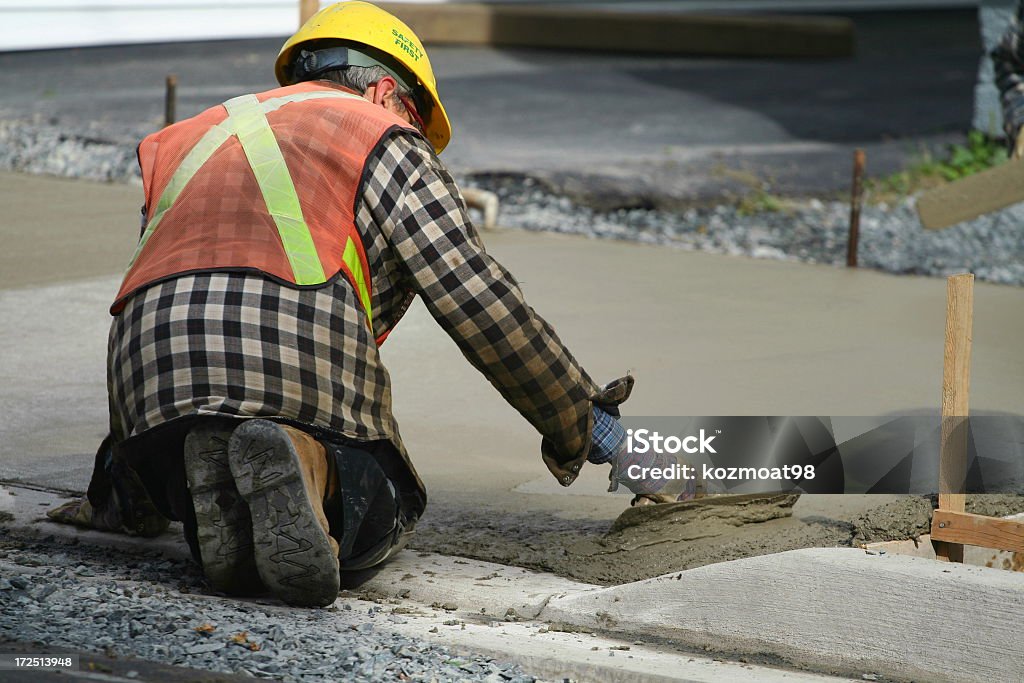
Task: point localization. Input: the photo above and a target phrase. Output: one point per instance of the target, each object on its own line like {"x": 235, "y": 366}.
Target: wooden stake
{"x": 307, "y": 8}
{"x": 170, "y": 99}
{"x": 856, "y": 201}
{"x": 956, "y": 383}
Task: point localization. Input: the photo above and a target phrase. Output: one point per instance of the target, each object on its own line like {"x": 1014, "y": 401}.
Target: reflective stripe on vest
{"x": 247, "y": 120}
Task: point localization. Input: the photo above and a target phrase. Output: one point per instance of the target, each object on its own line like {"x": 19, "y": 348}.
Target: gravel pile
{"x": 153, "y": 609}
{"x": 91, "y": 152}
{"x": 892, "y": 239}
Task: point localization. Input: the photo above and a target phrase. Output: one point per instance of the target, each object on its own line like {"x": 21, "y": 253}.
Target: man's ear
{"x": 383, "y": 92}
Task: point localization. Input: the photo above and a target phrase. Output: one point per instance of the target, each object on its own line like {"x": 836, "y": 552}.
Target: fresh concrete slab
{"x": 56, "y": 229}
{"x": 901, "y": 617}
{"x": 703, "y": 334}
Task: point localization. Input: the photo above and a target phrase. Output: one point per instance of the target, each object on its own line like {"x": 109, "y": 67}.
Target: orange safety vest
{"x": 265, "y": 183}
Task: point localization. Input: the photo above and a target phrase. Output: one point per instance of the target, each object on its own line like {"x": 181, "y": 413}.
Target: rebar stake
{"x": 856, "y": 200}
{"x": 170, "y": 100}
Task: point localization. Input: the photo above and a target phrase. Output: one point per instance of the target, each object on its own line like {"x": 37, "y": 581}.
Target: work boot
{"x": 223, "y": 524}
{"x": 282, "y": 473}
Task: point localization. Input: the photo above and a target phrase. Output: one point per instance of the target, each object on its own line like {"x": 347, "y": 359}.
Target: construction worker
{"x": 1008, "y": 59}
{"x": 284, "y": 235}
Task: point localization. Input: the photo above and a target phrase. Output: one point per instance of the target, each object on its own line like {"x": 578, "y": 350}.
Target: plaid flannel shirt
{"x": 243, "y": 345}
{"x": 1008, "y": 60}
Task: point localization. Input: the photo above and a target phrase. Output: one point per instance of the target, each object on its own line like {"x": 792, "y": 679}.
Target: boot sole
{"x": 293, "y": 554}
{"x": 224, "y": 527}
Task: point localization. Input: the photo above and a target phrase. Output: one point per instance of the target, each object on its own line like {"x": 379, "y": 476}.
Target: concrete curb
{"x": 901, "y": 617}
{"x": 460, "y": 584}
{"x": 616, "y": 31}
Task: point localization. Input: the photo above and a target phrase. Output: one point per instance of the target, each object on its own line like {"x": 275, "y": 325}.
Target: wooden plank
{"x": 972, "y": 196}
{"x": 956, "y": 383}
{"x": 978, "y": 556}
{"x": 987, "y": 532}
{"x": 576, "y": 28}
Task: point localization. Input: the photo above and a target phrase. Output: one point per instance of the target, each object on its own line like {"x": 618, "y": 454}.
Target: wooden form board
{"x": 978, "y": 556}
{"x": 973, "y": 196}
{"x": 987, "y": 532}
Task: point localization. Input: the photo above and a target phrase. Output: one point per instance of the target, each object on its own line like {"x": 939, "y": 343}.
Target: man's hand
{"x": 146, "y": 521}
{"x": 81, "y": 513}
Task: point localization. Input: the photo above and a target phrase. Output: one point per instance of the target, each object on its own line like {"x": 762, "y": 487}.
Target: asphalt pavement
{"x": 639, "y": 128}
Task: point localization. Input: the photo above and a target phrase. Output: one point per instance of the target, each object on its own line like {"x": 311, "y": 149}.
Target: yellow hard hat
{"x": 375, "y": 38}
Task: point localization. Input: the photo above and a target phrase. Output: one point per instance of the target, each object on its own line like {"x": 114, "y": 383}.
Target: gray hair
{"x": 359, "y": 78}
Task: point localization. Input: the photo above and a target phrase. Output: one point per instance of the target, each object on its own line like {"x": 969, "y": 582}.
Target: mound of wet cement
{"x": 641, "y": 543}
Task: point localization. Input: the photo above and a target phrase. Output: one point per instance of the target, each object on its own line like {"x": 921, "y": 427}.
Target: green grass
{"x": 760, "y": 201}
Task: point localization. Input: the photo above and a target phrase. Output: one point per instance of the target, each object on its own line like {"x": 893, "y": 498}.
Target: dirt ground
{"x": 646, "y": 542}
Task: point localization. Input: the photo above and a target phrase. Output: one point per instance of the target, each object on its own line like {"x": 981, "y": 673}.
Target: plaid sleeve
{"x": 417, "y": 206}
{"x": 1008, "y": 59}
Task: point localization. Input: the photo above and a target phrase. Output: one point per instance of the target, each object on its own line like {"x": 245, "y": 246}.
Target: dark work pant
{"x": 363, "y": 512}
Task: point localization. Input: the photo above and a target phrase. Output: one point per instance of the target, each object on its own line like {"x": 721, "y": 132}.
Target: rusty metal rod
{"x": 856, "y": 201}
{"x": 170, "y": 100}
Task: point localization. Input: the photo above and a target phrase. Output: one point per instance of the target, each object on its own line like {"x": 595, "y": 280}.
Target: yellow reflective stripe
{"x": 355, "y": 266}
{"x": 268, "y": 165}
{"x": 193, "y": 161}
{"x": 276, "y": 103}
